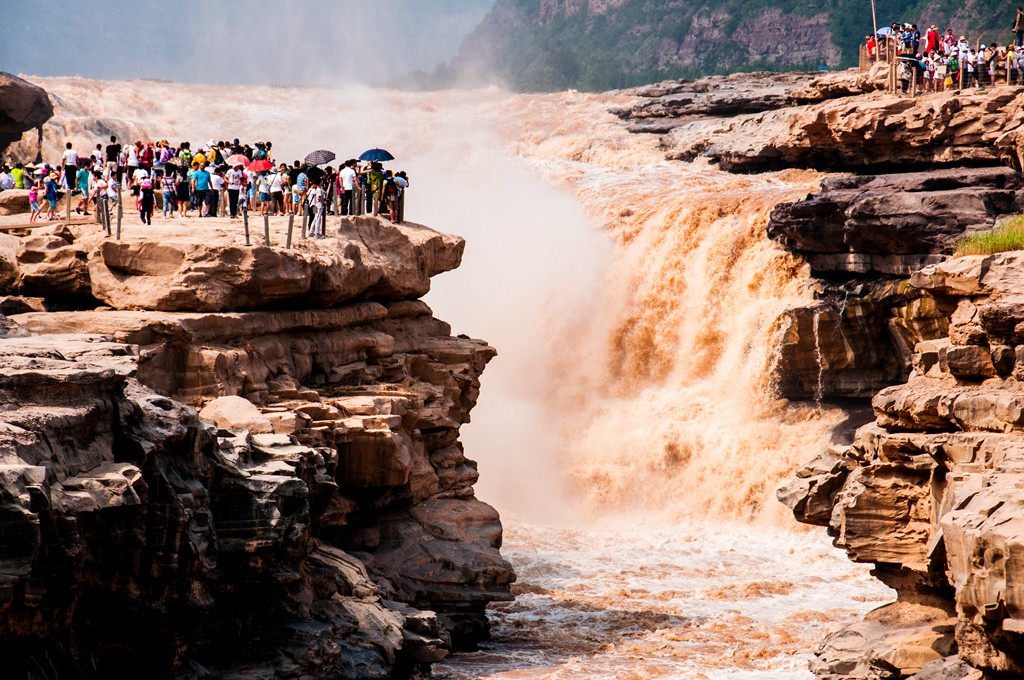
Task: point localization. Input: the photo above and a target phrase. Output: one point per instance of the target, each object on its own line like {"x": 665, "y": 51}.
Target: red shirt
{"x": 933, "y": 41}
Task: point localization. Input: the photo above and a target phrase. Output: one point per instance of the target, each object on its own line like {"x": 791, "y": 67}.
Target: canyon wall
{"x": 238, "y": 460}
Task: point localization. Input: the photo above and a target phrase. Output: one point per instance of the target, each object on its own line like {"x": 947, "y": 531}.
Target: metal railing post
{"x": 245, "y": 220}
{"x": 266, "y": 228}
{"x": 291, "y": 223}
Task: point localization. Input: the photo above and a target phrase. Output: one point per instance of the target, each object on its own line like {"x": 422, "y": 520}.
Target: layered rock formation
{"x": 315, "y": 518}
{"x": 671, "y": 104}
{"x": 930, "y": 492}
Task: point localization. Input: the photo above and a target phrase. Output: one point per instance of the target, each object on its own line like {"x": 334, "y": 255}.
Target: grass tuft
{"x": 1009, "y": 236}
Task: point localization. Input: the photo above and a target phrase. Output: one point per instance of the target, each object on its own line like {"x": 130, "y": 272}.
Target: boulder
{"x": 23, "y": 106}
{"x": 236, "y": 413}
{"x": 15, "y": 202}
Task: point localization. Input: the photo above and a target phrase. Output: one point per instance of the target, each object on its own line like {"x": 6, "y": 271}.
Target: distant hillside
{"x": 593, "y": 45}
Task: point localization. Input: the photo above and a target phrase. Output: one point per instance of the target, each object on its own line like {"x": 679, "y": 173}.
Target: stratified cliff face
{"x": 314, "y": 519}
{"x": 931, "y": 491}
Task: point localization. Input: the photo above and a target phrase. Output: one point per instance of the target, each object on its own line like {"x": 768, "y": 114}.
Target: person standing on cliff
{"x": 1018, "y": 27}
{"x": 931, "y": 39}
{"x": 113, "y": 153}
{"x": 69, "y": 163}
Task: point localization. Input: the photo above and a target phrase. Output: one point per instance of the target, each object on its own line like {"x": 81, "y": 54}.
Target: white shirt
{"x": 216, "y": 182}
{"x": 133, "y": 157}
{"x": 348, "y": 179}
{"x": 70, "y": 157}
{"x": 6, "y": 181}
{"x": 140, "y": 175}
{"x": 275, "y": 183}
{"x": 234, "y": 178}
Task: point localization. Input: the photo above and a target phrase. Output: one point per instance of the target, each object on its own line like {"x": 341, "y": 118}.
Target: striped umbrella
{"x": 319, "y": 157}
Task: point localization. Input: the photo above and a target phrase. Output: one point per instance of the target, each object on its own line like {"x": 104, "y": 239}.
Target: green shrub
{"x": 1009, "y": 236}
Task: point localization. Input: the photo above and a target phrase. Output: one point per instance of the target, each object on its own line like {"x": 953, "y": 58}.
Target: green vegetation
{"x": 1008, "y": 236}
{"x": 527, "y": 45}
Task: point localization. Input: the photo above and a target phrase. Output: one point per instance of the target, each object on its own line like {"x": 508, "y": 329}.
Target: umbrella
{"x": 260, "y": 166}
{"x": 884, "y": 30}
{"x": 238, "y": 159}
{"x": 376, "y": 155}
{"x": 320, "y": 157}
{"x": 177, "y": 160}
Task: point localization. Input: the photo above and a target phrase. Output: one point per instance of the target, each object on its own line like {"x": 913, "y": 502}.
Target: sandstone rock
{"x": 23, "y": 106}
{"x": 860, "y": 131}
{"x": 50, "y": 262}
{"x": 892, "y": 224}
{"x": 164, "y": 268}
{"x": 893, "y": 641}
{"x": 970, "y": 361}
{"x": 15, "y": 202}
{"x": 236, "y": 413}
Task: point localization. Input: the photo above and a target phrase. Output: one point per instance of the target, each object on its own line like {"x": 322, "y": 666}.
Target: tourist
{"x": 18, "y": 173}
{"x": 184, "y": 196}
{"x": 1018, "y": 27}
{"x": 99, "y": 192}
{"x": 51, "y": 195}
{"x": 146, "y": 200}
{"x": 169, "y": 184}
{"x": 33, "y": 201}
{"x": 234, "y": 181}
{"x": 69, "y": 165}
{"x": 276, "y": 185}
{"x": 6, "y": 178}
{"x": 83, "y": 179}
{"x": 318, "y": 206}
{"x": 113, "y": 154}
{"x": 347, "y": 177}
{"x": 213, "y": 197}
{"x": 132, "y": 162}
{"x": 201, "y": 185}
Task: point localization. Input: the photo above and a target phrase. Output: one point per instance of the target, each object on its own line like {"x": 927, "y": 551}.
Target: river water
{"x": 628, "y": 430}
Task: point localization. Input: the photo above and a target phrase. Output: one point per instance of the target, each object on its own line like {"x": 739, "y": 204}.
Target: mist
{"x": 234, "y": 42}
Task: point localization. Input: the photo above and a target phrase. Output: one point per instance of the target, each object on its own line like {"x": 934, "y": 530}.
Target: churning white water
{"x": 628, "y": 431}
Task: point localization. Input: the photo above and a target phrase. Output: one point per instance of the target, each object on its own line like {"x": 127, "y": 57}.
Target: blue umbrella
{"x": 884, "y": 30}
{"x": 376, "y": 155}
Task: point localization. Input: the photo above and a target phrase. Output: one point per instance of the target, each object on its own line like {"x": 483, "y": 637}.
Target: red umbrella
{"x": 260, "y": 166}
{"x": 238, "y": 159}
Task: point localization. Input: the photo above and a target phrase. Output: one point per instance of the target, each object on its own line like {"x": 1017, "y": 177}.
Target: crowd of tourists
{"x": 217, "y": 177}
{"x": 942, "y": 61}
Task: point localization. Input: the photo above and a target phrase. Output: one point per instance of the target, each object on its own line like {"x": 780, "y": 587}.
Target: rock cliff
{"x": 930, "y": 491}
{"x": 238, "y": 460}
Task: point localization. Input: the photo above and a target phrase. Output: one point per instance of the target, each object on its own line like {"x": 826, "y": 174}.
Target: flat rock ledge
{"x": 245, "y": 463}
{"x": 931, "y": 492}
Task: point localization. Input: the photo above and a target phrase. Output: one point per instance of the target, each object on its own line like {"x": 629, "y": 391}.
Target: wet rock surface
{"x": 192, "y": 492}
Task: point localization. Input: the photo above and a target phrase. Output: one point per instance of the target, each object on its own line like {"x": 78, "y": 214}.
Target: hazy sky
{"x": 240, "y": 42}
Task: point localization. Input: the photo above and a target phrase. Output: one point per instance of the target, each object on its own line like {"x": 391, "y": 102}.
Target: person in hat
{"x": 931, "y": 39}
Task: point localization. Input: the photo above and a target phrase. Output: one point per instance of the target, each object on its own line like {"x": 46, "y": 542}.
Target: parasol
{"x": 238, "y": 159}
{"x": 376, "y": 155}
{"x": 260, "y": 166}
{"x": 320, "y": 157}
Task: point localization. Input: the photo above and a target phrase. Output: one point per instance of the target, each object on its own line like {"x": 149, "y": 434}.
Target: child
{"x": 317, "y": 202}
{"x": 146, "y": 201}
{"x": 33, "y": 198}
